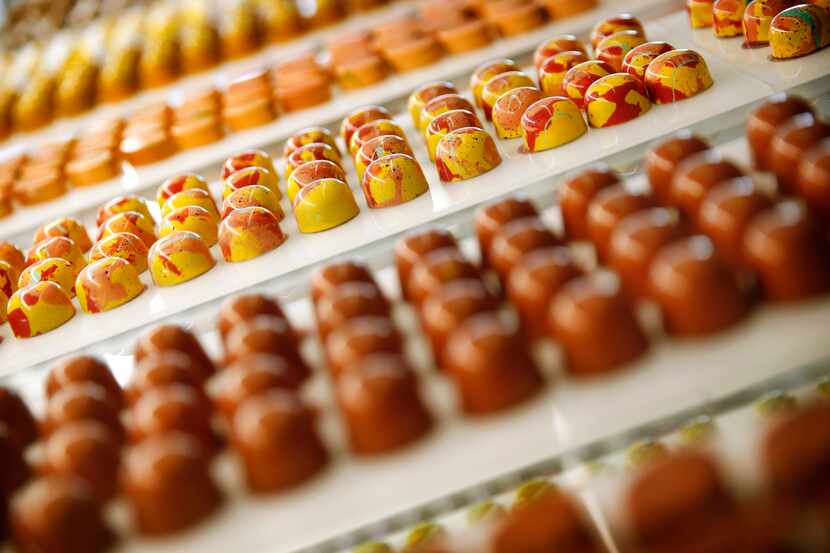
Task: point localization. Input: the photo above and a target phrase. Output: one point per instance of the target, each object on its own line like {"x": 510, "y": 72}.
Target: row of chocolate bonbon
{"x": 316, "y": 182}
{"x": 127, "y": 245}
{"x": 680, "y": 497}
{"x": 791, "y": 28}
{"x": 179, "y": 43}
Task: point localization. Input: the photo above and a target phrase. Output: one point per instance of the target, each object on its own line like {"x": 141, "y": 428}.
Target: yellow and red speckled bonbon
{"x": 799, "y": 31}
{"x": 580, "y": 77}
{"x": 129, "y": 221}
{"x": 614, "y": 48}
{"x": 508, "y": 111}
{"x": 250, "y": 176}
{"x": 377, "y": 148}
{"x": 553, "y": 71}
{"x": 464, "y": 154}
{"x": 58, "y": 246}
{"x": 9, "y": 276}
{"x": 446, "y": 123}
{"x": 677, "y": 75}
{"x": 248, "y": 233}
{"x": 373, "y": 129}
{"x": 324, "y": 204}
{"x": 555, "y": 45}
{"x": 638, "y": 59}
{"x": 393, "y": 180}
{"x": 486, "y": 71}
{"x": 38, "y": 309}
{"x": 443, "y": 104}
{"x": 124, "y": 245}
{"x": 310, "y": 172}
{"x": 12, "y": 255}
{"x": 57, "y": 270}
{"x": 310, "y": 152}
{"x": 360, "y": 117}
{"x": 185, "y": 198}
{"x": 758, "y": 17}
{"x": 425, "y": 93}
{"x": 179, "y": 257}
{"x": 700, "y": 13}
{"x": 611, "y": 25}
{"x": 106, "y": 284}
{"x": 65, "y": 226}
{"x": 615, "y": 99}
{"x": 552, "y": 122}
{"x": 248, "y": 158}
{"x": 120, "y": 205}
{"x": 727, "y": 17}
{"x": 310, "y": 135}
{"x": 500, "y": 84}
{"x": 176, "y": 184}
{"x": 255, "y": 195}
{"x": 194, "y": 219}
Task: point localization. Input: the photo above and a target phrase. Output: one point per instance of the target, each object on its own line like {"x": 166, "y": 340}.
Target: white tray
{"x": 206, "y": 160}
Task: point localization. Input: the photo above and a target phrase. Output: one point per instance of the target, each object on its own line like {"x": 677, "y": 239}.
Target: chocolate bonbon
{"x": 615, "y": 99}
{"x": 789, "y": 145}
{"x": 125, "y": 245}
{"x": 725, "y": 213}
{"x": 581, "y": 76}
{"x": 79, "y": 369}
{"x": 595, "y": 326}
{"x": 490, "y": 219}
{"x": 276, "y": 438}
{"x": 552, "y": 72}
{"x": 605, "y": 211}
{"x": 392, "y": 180}
{"x": 677, "y": 75}
{"x": 696, "y": 176}
{"x": 575, "y": 196}
{"x": 173, "y": 408}
{"x": 173, "y": 337}
{"x": 696, "y": 291}
{"x": 423, "y": 94}
{"x": 765, "y": 121}
{"x": 179, "y": 257}
{"x": 311, "y": 171}
{"x": 486, "y": 71}
{"x": 65, "y": 226}
{"x": 87, "y": 450}
{"x": 662, "y": 161}
{"x": 551, "y": 122}
{"x": 348, "y": 301}
{"x": 359, "y": 337}
{"x": 615, "y": 47}
{"x": 535, "y": 280}
{"x": 450, "y": 121}
{"x": 54, "y": 269}
{"x": 132, "y": 222}
{"x": 414, "y": 246}
{"x": 18, "y": 420}
{"x": 336, "y": 273}
{"x": 636, "y": 240}
{"x": 784, "y": 246}
{"x": 324, "y": 204}
{"x": 244, "y": 307}
{"x": 60, "y": 515}
{"x": 253, "y": 375}
{"x": 555, "y": 45}
{"x": 266, "y": 334}
{"x": 106, "y": 284}
{"x": 465, "y": 154}
{"x": 434, "y": 269}
{"x": 614, "y": 24}
{"x": 638, "y": 59}
{"x": 168, "y": 484}
{"x": 449, "y": 306}
{"x": 516, "y": 239}
{"x": 381, "y": 405}
{"x": 488, "y": 361}
{"x": 500, "y": 84}
{"x": 193, "y": 219}
{"x": 799, "y": 31}
{"x": 38, "y": 308}
{"x": 80, "y": 401}
{"x": 248, "y": 233}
